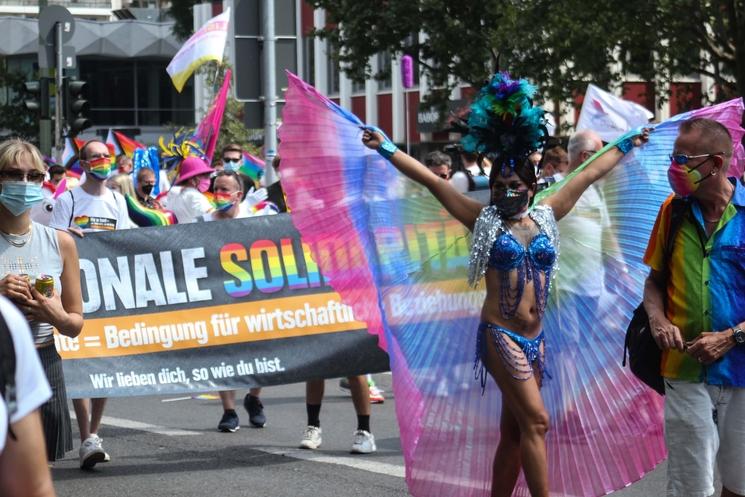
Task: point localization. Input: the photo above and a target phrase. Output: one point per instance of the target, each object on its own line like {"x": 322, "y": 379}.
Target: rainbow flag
{"x": 122, "y": 144}
{"x": 144, "y": 216}
{"x": 252, "y": 166}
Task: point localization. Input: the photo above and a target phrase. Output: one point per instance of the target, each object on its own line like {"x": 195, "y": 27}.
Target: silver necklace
{"x": 18, "y": 241}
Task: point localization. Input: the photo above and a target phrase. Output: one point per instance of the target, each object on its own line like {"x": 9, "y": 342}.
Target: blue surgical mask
{"x": 231, "y": 165}
{"x": 20, "y": 196}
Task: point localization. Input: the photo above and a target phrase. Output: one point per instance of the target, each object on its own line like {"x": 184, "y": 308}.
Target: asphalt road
{"x": 169, "y": 446}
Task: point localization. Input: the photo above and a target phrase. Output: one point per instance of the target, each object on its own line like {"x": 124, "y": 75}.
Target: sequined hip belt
{"x": 517, "y": 352}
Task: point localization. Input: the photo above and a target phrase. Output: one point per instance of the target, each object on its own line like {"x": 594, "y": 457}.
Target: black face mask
{"x": 509, "y": 202}
{"x": 147, "y": 189}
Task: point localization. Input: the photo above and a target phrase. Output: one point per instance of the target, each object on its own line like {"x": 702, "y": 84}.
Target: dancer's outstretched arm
{"x": 563, "y": 200}
{"x": 461, "y": 207}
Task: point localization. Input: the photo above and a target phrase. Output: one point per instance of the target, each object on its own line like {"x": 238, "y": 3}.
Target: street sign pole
{"x": 270, "y": 91}
{"x": 58, "y": 100}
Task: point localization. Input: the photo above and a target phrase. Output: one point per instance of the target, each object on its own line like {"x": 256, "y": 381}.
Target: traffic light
{"x": 76, "y": 106}
{"x": 37, "y": 97}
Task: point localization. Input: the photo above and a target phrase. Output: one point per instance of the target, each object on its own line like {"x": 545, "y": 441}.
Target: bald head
{"x": 712, "y": 137}
{"x": 582, "y": 145}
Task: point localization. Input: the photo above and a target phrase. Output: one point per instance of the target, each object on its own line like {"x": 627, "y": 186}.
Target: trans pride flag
{"x": 122, "y": 144}
{"x": 400, "y": 261}
{"x": 69, "y": 157}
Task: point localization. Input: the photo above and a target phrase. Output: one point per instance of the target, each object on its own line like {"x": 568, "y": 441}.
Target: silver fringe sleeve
{"x": 485, "y": 232}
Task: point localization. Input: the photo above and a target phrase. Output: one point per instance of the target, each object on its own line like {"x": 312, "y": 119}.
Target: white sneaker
{"x": 91, "y": 452}
{"x": 364, "y": 443}
{"x": 311, "y": 438}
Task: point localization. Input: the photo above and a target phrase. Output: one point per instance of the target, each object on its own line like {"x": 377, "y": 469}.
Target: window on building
{"x": 309, "y": 60}
{"x": 358, "y": 87}
{"x": 158, "y": 102}
{"x": 384, "y": 67}
{"x": 332, "y": 75}
{"x": 135, "y": 93}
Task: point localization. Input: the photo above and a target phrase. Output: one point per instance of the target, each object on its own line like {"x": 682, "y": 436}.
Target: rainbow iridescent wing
{"x": 400, "y": 261}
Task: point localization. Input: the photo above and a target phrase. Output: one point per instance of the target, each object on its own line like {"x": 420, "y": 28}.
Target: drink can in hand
{"x": 45, "y": 285}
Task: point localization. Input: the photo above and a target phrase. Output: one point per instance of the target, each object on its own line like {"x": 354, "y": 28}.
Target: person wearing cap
{"x": 187, "y": 201}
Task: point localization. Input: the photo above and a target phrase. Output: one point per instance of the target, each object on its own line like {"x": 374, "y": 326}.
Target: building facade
{"x": 121, "y": 56}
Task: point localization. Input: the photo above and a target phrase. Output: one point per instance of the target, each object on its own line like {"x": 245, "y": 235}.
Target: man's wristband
{"x": 387, "y": 149}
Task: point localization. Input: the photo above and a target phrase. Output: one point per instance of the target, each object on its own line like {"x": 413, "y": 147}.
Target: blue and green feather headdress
{"x": 504, "y": 124}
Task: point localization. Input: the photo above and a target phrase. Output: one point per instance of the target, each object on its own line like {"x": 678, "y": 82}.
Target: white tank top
{"x": 40, "y": 255}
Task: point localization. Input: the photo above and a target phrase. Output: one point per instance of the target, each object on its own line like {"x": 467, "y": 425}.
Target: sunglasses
{"x": 683, "y": 159}
{"x": 31, "y": 177}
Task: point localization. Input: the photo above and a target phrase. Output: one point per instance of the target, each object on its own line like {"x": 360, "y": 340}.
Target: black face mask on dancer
{"x": 509, "y": 202}
{"x": 147, "y": 189}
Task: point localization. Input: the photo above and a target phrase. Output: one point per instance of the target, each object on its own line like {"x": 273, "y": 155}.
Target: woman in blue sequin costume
{"x": 515, "y": 249}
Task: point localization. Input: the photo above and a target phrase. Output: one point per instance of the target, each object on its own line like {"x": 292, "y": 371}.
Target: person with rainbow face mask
{"x": 86, "y": 208}
{"x": 27, "y": 250}
{"x": 695, "y": 298}
{"x": 228, "y": 190}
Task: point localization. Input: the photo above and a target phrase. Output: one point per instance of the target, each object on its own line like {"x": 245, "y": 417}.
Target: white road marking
{"x": 177, "y": 399}
{"x": 302, "y": 454}
{"x": 137, "y": 425}
{"x": 353, "y": 462}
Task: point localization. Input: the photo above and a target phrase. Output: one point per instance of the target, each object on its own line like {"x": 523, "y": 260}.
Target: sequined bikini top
{"x": 494, "y": 246}
{"x": 489, "y": 228}
{"x": 508, "y": 253}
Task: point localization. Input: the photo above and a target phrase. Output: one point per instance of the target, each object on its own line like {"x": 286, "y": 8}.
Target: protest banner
{"x": 229, "y": 304}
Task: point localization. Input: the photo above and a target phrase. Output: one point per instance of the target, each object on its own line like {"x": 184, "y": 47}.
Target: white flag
{"x": 610, "y": 116}
{"x": 208, "y": 43}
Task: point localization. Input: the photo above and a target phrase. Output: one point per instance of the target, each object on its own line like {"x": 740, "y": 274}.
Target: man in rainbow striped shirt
{"x": 697, "y": 314}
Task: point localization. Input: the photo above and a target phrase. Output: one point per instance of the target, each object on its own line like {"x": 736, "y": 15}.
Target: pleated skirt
{"x": 55, "y": 414}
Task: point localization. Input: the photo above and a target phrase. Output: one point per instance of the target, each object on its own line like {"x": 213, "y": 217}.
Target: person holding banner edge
{"x": 229, "y": 191}
{"x": 515, "y": 248}
{"x": 91, "y": 207}
{"x": 28, "y": 250}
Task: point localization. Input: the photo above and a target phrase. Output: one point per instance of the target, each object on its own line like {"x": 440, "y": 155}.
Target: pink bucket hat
{"x": 192, "y": 166}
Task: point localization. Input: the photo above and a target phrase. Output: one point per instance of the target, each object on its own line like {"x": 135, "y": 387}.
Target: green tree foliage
{"x": 15, "y": 119}
{"x": 560, "y": 44}
{"x": 716, "y": 28}
{"x": 181, "y": 12}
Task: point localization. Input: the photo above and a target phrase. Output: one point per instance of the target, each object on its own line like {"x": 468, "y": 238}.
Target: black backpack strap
{"x": 8, "y": 371}
{"x": 72, "y": 209}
